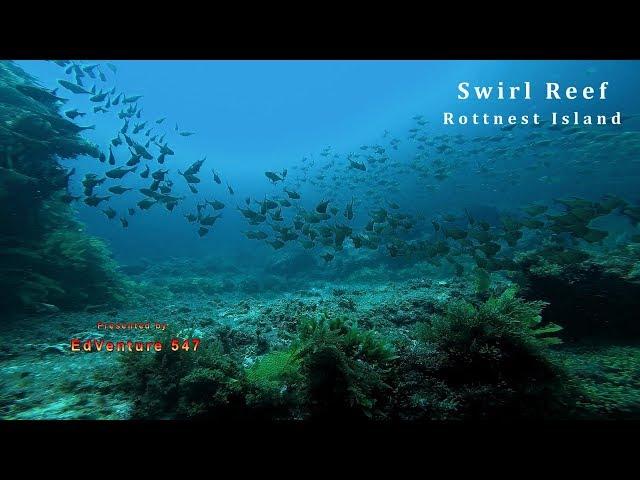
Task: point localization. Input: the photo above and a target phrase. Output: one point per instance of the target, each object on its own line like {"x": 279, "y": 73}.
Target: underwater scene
{"x": 289, "y": 241}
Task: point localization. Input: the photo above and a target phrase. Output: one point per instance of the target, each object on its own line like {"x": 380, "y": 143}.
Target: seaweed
{"x": 46, "y": 258}
{"x": 593, "y": 296}
{"x": 345, "y": 368}
{"x": 183, "y": 384}
{"x": 608, "y": 380}
{"x": 274, "y": 385}
{"x": 494, "y": 358}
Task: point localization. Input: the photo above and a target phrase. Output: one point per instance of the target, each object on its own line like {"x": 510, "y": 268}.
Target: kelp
{"x": 591, "y": 295}
{"x": 489, "y": 360}
{"x": 46, "y": 257}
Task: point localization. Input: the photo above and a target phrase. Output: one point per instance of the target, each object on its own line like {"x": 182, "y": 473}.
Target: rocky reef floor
{"x": 41, "y": 378}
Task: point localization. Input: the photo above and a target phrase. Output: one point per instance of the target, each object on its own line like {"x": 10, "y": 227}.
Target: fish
{"x": 94, "y": 200}
{"x": 292, "y": 195}
{"x": 276, "y": 244}
{"x": 231, "y": 192}
{"x": 535, "y": 210}
{"x": 112, "y": 158}
{"x": 470, "y": 218}
{"x": 593, "y": 235}
{"x": 99, "y": 97}
{"x": 165, "y": 150}
{"x": 73, "y": 88}
{"x": 119, "y": 189}
{"x": 490, "y": 249}
{"x": 146, "y": 204}
{"x": 145, "y": 172}
{"x": 72, "y": 114}
{"x": 327, "y": 257}
{"x": 349, "y": 210}
{"x": 138, "y": 127}
{"x": 202, "y": 231}
{"x": 307, "y": 244}
{"x": 273, "y": 177}
{"x": 131, "y": 99}
{"x": 124, "y": 222}
{"x": 151, "y": 191}
{"x": 277, "y": 216}
{"x": 66, "y": 198}
{"x": 140, "y": 150}
{"x": 215, "y": 204}
{"x": 41, "y": 94}
{"x": 110, "y": 213}
{"x": 89, "y": 69}
{"x": 119, "y": 172}
{"x": 532, "y": 224}
{"x": 159, "y": 174}
{"x": 455, "y": 233}
{"x": 190, "y": 178}
{"x": 134, "y": 160}
{"x": 216, "y": 178}
{"x": 259, "y": 235}
{"x": 267, "y": 204}
{"x": 322, "y": 206}
{"x": 210, "y": 219}
{"x": 357, "y": 165}
{"x": 90, "y": 181}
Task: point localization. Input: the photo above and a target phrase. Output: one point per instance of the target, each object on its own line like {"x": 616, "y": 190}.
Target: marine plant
{"x": 591, "y": 295}
{"x": 608, "y": 380}
{"x": 275, "y": 384}
{"x": 332, "y": 368}
{"x": 47, "y": 261}
{"x": 494, "y": 358}
{"x": 345, "y": 368}
{"x": 482, "y": 280}
{"x": 183, "y": 384}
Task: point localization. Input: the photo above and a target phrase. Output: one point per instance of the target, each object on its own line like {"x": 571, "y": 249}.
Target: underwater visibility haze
{"x": 307, "y": 239}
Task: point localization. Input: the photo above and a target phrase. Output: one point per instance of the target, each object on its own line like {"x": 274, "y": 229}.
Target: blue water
{"x": 252, "y": 116}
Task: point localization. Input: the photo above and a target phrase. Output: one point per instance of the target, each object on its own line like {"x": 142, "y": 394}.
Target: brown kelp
{"x": 47, "y": 261}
